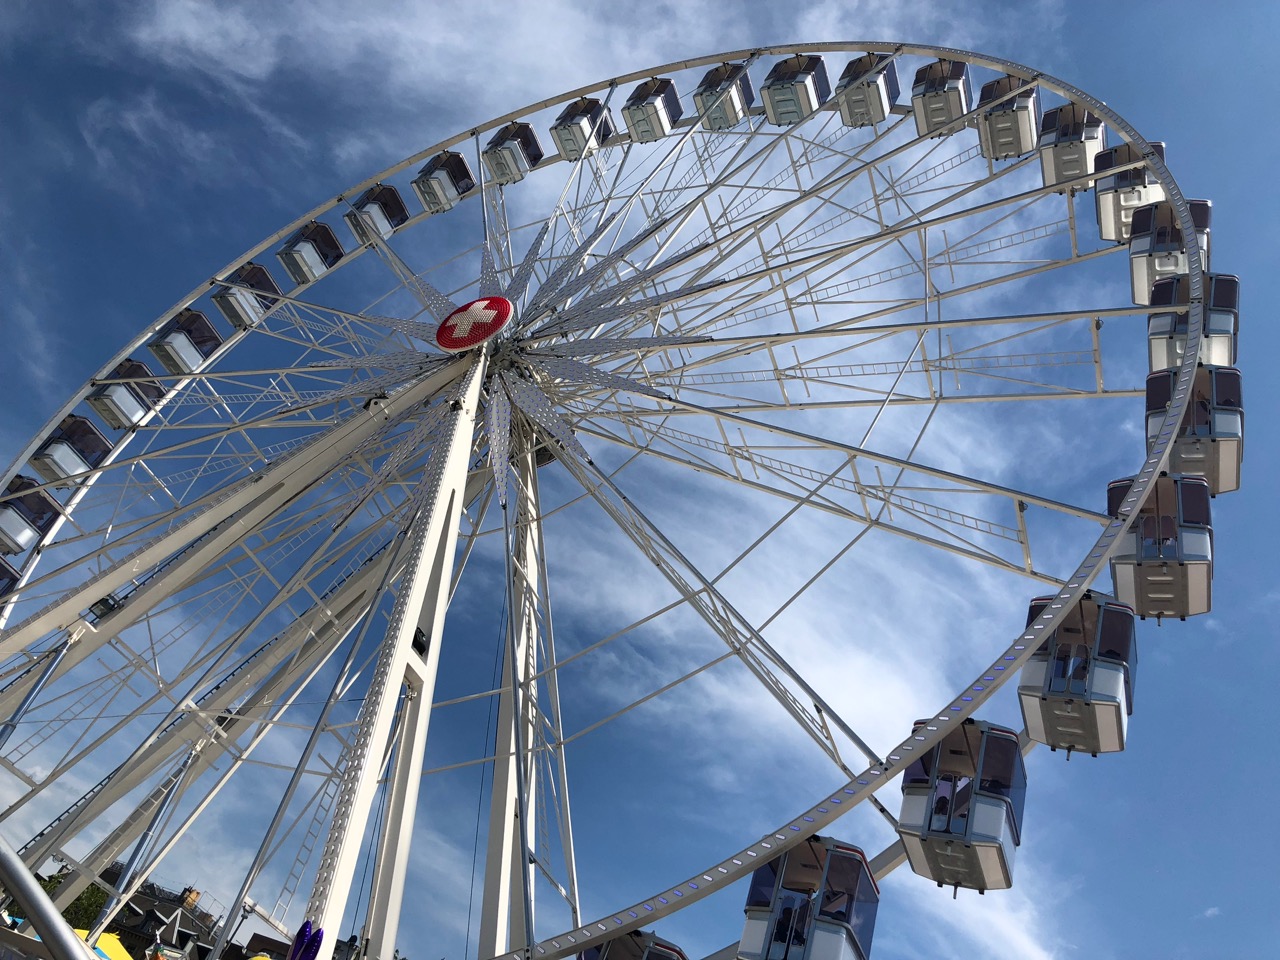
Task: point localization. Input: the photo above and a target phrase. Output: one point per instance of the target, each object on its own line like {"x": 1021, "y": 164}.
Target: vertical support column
{"x": 503, "y": 922}
{"x": 383, "y": 919}
{"x": 423, "y": 595}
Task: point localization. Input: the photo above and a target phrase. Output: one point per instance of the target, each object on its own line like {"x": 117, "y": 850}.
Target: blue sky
{"x": 147, "y": 144}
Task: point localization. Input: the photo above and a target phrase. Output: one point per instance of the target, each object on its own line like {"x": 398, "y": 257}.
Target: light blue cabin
{"x": 1076, "y": 691}
{"x": 512, "y": 152}
{"x": 962, "y": 802}
{"x": 378, "y": 212}
{"x": 443, "y": 181}
{"x": 724, "y": 97}
{"x": 126, "y": 396}
{"x": 1157, "y": 248}
{"x": 1210, "y": 441}
{"x": 26, "y": 515}
{"x": 1167, "y": 324}
{"x": 186, "y": 342}
{"x": 247, "y": 296}
{"x": 72, "y": 449}
{"x": 795, "y": 89}
{"x": 941, "y": 94}
{"x": 868, "y": 90}
{"x": 1008, "y": 118}
{"x": 1119, "y": 193}
{"x": 310, "y": 253}
{"x": 1164, "y": 566}
{"x": 652, "y": 110}
{"x": 818, "y": 901}
{"x": 583, "y": 127}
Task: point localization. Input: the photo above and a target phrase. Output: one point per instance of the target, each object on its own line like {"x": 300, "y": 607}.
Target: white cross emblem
{"x": 460, "y": 323}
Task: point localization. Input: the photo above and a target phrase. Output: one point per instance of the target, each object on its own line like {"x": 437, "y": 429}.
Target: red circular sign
{"x": 473, "y": 323}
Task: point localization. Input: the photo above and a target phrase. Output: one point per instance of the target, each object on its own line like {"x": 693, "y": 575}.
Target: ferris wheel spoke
{"x": 720, "y": 615}
{"x": 926, "y": 515}
{"x": 223, "y": 523}
{"x": 795, "y": 266}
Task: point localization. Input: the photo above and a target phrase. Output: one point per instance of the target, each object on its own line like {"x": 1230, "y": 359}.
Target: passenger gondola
{"x": 444, "y": 180}
{"x": 74, "y": 447}
{"x": 582, "y": 128}
{"x": 512, "y": 152}
{"x": 247, "y": 297}
{"x": 637, "y": 945}
{"x": 1118, "y": 195}
{"x": 1076, "y": 691}
{"x": 1209, "y": 442}
{"x": 652, "y": 110}
{"x": 868, "y": 90}
{"x": 186, "y": 342}
{"x": 962, "y": 802}
{"x": 1070, "y": 138}
{"x": 941, "y": 95}
{"x": 794, "y": 89}
{"x": 724, "y": 96}
{"x": 1164, "y": 567}
{"x": 817, "y": 901}
{"x": 310, "y": 253}
{"x": 26, "y": 514}
{"x": 378, "y": 212}
{"x": 1008, "y": 117}
{"x": 1167, "y": 328}
{"x": 126, "y": 396}
{"x": 1157, "y": 248}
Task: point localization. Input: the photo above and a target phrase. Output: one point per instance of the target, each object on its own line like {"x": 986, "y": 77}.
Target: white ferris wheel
{"x": 599, "y": 439}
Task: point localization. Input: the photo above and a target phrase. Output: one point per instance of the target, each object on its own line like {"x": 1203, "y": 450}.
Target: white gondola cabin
{"x": 443, "y": 182}
{"x": 128, "y": 395}
{"x": 962, "y": 801}
{"x": 512, "y": 152}
{"x": 652, "y": 110}
{"x": 1076, "y": 691}
{"x": 942, "y": 93}
{"x": 868, "y": 90}
{"x": 1210, "y": 441}
{"x": 74, "y": 447}
{"x": 378, "y": 212}
{"x": 582, "y": 128}
{"x": 1157, "y": 248}
{"x": 1167, "y": 328}
{"x": 724, "y": 96}
{"x": 248, "y": 295}
{"x": 818, "y": 901}
{"x": 1070, "y": 138}
{"x": 1164, "y": 567}
{"x": 310, "y": 253}
{"x": 26, "y": 514}
{"x": 1008, "y": 117}
{"x": 8, "y": 578}
{"x": 1118, "y": 194}
{"x": 636, "y": 945}
{"x": 794, "y": 89}
{"x": 186, "y": 342}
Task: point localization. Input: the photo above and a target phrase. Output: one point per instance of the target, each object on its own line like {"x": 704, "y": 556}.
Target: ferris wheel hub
{"x": 474, "y": 323}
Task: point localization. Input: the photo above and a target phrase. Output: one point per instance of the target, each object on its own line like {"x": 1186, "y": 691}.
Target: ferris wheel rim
{"x": 1096, "y": 558}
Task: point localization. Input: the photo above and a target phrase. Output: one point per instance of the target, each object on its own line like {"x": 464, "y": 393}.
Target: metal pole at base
{"x": 56, "y": 934}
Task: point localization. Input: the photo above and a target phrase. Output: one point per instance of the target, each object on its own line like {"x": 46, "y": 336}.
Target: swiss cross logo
{"x": 473, "y": 323}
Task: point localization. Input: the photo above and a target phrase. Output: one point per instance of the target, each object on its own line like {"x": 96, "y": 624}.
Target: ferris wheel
{"x": 678, "y": 416}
